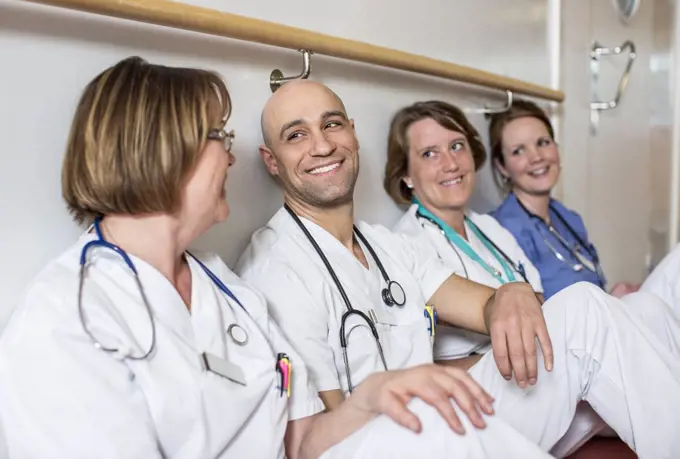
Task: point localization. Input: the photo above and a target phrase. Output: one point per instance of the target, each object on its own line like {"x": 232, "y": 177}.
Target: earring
{"x": 409, "y": 185}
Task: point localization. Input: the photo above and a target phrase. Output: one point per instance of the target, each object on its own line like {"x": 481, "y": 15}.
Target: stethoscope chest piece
{"x": 237, "y": 334}
{"x": 394, "y": 294}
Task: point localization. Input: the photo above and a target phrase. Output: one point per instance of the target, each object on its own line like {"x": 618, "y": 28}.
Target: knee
{"x": 582, "y": 303}
{"x": 576, "y": 297}
{"x": 646, "y": 302}
{"x": 584, "y": 289}
{"x": 651, "y": 311}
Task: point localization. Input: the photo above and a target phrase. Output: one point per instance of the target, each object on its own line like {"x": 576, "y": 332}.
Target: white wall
{"x": 47, "y": 55}
{"x": 618, "y": 179}
{"x": 662, "y": 82}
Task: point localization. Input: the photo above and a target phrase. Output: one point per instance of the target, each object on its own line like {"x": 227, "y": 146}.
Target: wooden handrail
{"x": 213, "y": 22}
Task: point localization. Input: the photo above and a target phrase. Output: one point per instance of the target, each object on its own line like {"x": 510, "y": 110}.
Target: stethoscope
{"x": 518, "y": 268}
{"x": 237, "y": 333}
{"x": 392, "y": 295}
{"x": 583, "y": 263}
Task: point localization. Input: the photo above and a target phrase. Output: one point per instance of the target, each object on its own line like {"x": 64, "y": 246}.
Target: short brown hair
{"x": 136, "y": 135}
{"x": 519, "y": 109}
{"x": 446, "y": 115}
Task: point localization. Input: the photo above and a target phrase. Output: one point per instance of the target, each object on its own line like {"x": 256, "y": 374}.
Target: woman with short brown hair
{"x": 433, "y": 153}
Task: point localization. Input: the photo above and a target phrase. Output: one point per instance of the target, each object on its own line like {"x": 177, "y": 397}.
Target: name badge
{"x": 223, "y": 368}
{"x": 430, "y": 314}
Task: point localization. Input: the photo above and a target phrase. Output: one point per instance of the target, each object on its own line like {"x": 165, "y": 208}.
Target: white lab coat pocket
{"x": 405, "y": 336}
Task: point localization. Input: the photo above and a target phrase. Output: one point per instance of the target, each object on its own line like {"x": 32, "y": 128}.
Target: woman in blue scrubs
{"x": 526, "y": 164}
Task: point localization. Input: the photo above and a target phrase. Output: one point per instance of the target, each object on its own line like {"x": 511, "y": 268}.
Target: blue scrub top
{"x": 530, "y": 234}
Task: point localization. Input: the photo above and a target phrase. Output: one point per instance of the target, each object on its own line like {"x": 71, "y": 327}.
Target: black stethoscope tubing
{"x": 345, "y": 298}
{"x": 572, "y": 231}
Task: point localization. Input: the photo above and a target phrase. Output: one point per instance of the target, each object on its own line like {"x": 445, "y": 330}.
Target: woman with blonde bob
{"x": 129, "y": 346}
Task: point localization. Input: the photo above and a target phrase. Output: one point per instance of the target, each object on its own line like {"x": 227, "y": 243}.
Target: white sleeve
{"x": 303, "y": 320}
{"x": 427, "y": 268}
{"x": 664, "y": 280}
{"x": 304, "y": 396}
{"x": 60, "y": 397}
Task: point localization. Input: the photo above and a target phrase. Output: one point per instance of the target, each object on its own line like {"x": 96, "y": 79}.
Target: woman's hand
{"x": 623, "y": 288}
{"x": 390, "y": 392}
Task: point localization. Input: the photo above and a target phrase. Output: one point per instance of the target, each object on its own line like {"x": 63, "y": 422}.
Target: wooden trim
{"x": 213, "y": 22}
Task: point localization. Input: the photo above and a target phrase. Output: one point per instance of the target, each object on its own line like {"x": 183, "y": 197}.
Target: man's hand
{"x": 390, "y": 392}
{"x": 514, "y": 319}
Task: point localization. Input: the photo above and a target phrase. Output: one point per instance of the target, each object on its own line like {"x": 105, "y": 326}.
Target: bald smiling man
{"x": 356, "y": 299}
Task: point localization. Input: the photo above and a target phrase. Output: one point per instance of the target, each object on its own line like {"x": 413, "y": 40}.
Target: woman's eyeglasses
{"x": 224, "y": 136}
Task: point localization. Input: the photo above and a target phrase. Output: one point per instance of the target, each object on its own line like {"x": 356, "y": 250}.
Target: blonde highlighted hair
{"x": 136, "y": 135}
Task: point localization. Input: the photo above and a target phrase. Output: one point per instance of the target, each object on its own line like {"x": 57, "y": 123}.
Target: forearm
{"x": 330, "y": 428}
{"x": 332, "y": 398}
{"x": 461, "y": 303}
